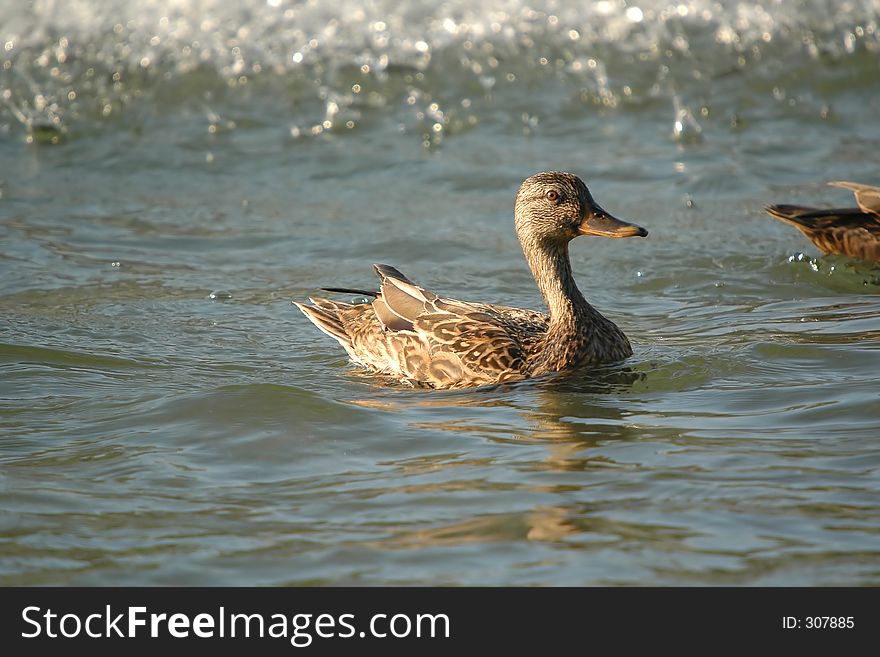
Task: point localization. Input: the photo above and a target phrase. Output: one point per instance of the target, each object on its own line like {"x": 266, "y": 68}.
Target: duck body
{"x": 851, "y": 232}
{"x": 417, "y": 336}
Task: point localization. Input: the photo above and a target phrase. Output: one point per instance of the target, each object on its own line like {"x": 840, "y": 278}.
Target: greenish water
{"x": 168, "y": 417}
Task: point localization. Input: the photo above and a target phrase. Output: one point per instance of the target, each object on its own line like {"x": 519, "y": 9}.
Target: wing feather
{"x": 390, "y": 320}
{"x": 400, "y": 301}
{"x": 867, "y": 196}
{"x": 403, "y": 302}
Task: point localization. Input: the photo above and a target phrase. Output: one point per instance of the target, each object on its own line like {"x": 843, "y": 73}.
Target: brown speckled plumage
{"x": 414, "y": 335}
{"x": 842, "y": 231}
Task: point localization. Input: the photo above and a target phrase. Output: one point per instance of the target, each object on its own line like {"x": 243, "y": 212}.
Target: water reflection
{"x": 566, "y": 415}
{"x": 544, "y": 524}
{"x": 579, "y": 527}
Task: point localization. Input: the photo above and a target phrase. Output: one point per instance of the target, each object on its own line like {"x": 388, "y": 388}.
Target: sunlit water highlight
{"x": 172, "y": 174}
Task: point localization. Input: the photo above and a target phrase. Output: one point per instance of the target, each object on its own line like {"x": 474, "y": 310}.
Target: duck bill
{"x": 599, "y": 222}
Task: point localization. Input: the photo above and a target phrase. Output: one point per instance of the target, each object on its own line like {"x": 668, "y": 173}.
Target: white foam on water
{"x": 95, "y": 56}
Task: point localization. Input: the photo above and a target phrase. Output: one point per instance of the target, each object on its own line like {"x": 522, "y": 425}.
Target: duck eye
{"x": 552, "y": 195}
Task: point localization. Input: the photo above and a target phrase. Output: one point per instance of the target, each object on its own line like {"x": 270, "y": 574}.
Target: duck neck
{"x": 577, "y": 333}
{"x": 551, "y": 268}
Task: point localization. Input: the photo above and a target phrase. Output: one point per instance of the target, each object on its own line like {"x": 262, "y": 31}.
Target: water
{"x": 173, "y": 174}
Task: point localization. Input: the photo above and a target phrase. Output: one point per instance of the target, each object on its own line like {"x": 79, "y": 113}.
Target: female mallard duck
{"x": 414, "y": 335}
{"x": 845, "y": 231}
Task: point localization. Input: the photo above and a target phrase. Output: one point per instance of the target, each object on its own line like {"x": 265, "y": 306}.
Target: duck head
{"x": 555, "y": 207}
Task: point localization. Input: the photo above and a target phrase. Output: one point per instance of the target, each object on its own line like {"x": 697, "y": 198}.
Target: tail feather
{"x": 817, "y": 218}
{"x": 326, "y": 320}
{"x": 348, "y": 290}
{"x": 793, "y": 214}
{"x": 331, "y": 306}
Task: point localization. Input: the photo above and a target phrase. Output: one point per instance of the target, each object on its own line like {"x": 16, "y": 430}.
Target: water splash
{"x": 685, "y": 127}
{"x": 86, "y": 61}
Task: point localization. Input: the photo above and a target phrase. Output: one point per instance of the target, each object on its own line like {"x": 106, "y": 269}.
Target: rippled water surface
{"x": 174, "y": 173}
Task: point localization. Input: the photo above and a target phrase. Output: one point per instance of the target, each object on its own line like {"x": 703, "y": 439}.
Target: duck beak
{"x": 598, "y": 222}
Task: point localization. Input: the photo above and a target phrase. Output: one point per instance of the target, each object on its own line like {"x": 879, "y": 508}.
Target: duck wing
{"x": 867, "y": 196}
{"x": 447, "y": 343}
{"x": 411, "y": 333}
{"x": 400, "y": 301}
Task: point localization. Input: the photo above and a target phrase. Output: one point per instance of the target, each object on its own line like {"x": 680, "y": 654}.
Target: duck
{"x": 851, "y": 232}
{"x": 421, "y": 338}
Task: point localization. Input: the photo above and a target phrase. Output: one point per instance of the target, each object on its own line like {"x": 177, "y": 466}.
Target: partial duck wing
{"x": 453, "y": 342}
{"x": 841, "y": 231}
{"x": 867, "y": 196}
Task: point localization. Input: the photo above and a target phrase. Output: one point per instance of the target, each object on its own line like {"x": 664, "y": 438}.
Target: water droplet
{"x": 685, "y": 127}
{"x": 635, "y": 14}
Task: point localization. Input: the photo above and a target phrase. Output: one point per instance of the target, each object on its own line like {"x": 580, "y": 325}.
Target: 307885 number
{"x": 833, "y": 622}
